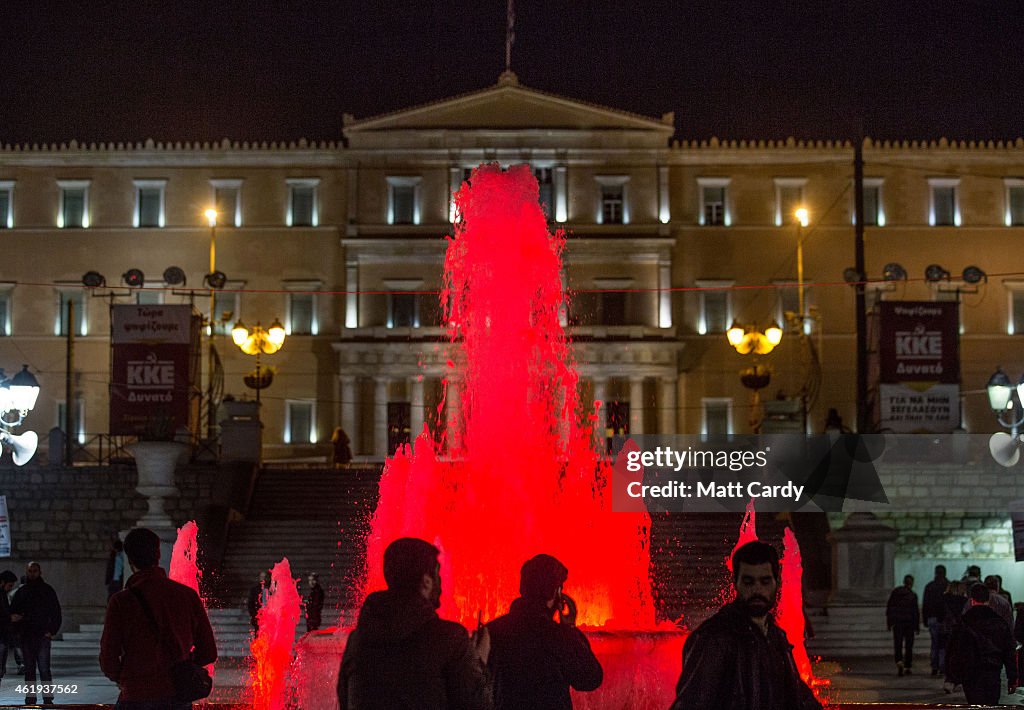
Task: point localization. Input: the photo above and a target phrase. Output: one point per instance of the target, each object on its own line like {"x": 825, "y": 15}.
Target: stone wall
{"x": 63, "y": 518}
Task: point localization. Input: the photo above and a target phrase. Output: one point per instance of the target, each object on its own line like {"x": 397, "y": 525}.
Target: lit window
{"x": 6, "y": 291}
{"x": 614, "y": 208}
{"x": 1015, "y": 323}
{"x": 300, "y": 422}
{"x": 945, "y": 210}
{"x": 226, "y": 307}
{"x": 149, "y": 203}
{"x": 1014, "y": 202}
{"x": 302, "y": 202}
{"x": 74, "y": 296}
{"x": 717, "y": 416}
{"x": 715, "y": 306}
{"x": 74, "y": 204}
{"x": 874, "y": 214}
{"x": 301, "y": 313}
{"x": 403, "y": 200}
{"x": 227, "y": 201}
{"x": 546, "y": 186}
{"x": 713, "y": 210}
{"x": 6, "y": 204}
{"x": 789, "y": 196}
{"x": 77, "y": 418}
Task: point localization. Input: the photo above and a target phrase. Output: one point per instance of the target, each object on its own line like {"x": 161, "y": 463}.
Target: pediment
{"x": 509, "y": 106}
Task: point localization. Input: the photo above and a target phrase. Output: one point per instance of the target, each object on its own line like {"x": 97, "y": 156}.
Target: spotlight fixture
{"x": 974, "y": 275}
{"x": 174, "y": 276}
{"x": 851, "y": 276}
{"x": 93, "y": 279}
{"x": 216, "y": 279}
{"x": 935, "y": 273}
{"x": 894, "y": 272}
{"x": 134, "y": 278}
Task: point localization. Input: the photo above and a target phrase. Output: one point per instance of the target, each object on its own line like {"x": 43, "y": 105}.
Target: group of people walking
{"x": 973, "y": 633}
{"x": 402, "y": 655}
{"x": 312, "y": 601}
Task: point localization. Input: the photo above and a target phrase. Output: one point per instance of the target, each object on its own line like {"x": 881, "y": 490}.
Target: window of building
{"x": 1015, "y": 301}
{"x": 614, "y": 208}
{"x": 300, "y": 422}
{"x": 149, "y": 203}
{"x": 302, "y": 314}
{"x": 77, "y": 297}
{"x": 715, "y": 306}
{"x": 77, "y": 418}
{"x": 403, "y": 310}
{"x": 403, "y": 200}
{"x": 789, "y": 196}
{"x": 874, "y": 214}
{"x": 6, "y": 291}
{"x": 226, "y": 307}
{"x": 302, "y": 202}
{"x": 546, "y": 185}
{"x": 788, "y": 302}
{"x": 1014, "y": 202}
{"x": 713, "y": 207}
{"x": 6, "y": 204}
{"x": 945, "y": 210}
{"x": 227, "y": 200}
{"x": 74, "y": 204}
{"x": 717, "y": 416}
{"x": 147, "y": 297}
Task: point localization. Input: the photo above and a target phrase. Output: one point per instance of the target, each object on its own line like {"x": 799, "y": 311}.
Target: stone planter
{"x": 156, "y": 462}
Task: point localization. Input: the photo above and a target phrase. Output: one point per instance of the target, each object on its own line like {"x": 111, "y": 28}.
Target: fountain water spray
{"x": 184, "y": 567}
{"x": 272, "y": 648}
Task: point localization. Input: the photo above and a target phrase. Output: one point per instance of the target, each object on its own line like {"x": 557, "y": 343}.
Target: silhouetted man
{"x": 314, "y": 602}
{"x": 979, "y": 648}
{"x": 739, "y": 659}
{"x": 401, "y": 655}
{"x": 534, "y": 659}
{"x": 258, "y": 595}
{"x": 903, "y": 618}
{"x": 36, "y": 612}
{"x": 933, "y": 610}
{"x": 150, "y": 626}
{"x": 7, "y": 581}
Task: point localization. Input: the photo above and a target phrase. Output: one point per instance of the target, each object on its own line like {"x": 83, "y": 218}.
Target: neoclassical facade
{"x": 668, "y": 241}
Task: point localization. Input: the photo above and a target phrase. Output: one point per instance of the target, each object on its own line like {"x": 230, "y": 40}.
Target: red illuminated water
{"x": 185, "y": 562}
{"x": 272, "y": 648}
{"x": 521, "y": 474}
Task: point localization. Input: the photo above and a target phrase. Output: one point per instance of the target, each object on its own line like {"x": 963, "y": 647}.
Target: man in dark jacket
{"x": 933, "y": 609}
{"x": 903, "y": 618}
{"x": 258, "y": 595}
{"x": 401, "y": 655}
{"x": 739, "y": 659}
{"x": 7, "y": 581}
{"x": 978, "y": 649}
{"x": 314, "y": 603}
{"x": 135, "y": 657}
{"x": 35, "y": 611}
{"x": 533, "y": 659}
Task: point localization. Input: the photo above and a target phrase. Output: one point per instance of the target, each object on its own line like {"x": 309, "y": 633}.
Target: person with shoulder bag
{"x": 157, "y": 636}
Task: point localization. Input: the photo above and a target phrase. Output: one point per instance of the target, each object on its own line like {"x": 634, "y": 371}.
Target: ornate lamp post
{"x": 256, "y": 341}
{"x": 1005, "y": 400}
{"x": 18, "y": 396}
{"x": 749, "y": 340}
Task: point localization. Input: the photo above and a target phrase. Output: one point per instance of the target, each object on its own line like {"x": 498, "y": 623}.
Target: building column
{"x": 380, "y": 416}
{"x": 349, "y": 407}
{"x": 416, "y": 412}
{"x": 669, "y": 423}
{"x": 636, "y": 405}
{"x": 351, "y": 294}
{"x": 664, "y": 293}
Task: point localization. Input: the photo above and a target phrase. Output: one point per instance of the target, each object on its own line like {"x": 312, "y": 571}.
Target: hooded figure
{"x": 534, "y": 659}
{"x": 401, "y": 655}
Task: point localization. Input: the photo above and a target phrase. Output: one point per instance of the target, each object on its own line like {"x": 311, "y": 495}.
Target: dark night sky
{"x": 276, "y": 69}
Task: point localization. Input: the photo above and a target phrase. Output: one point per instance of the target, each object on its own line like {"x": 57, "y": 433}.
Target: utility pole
{"x": 69, "y": 383}
{"x": 863, "y": 415}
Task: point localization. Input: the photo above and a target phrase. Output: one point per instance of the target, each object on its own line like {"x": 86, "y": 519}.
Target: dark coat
{"x": 932, "y": 606}
{"x": 902, "y": 609}
{"x": 130, "y": 654}
{"x": 730, "y": 664}
{"x": 981, "y": 645}
{"x": 401, "y": 655}
{"x": 314, "y": 604}
{"x": 6, "y": 627}
{"x": 255, "y": 599}
{"x": 37, "y": 602}
{"x": 534, "y": 660}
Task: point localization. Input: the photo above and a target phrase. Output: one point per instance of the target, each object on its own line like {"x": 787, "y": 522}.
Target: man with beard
{"x": 739, "y": 659}
{"x": 401, "y": 655}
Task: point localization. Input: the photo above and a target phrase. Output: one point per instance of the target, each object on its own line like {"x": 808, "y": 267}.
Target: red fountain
{"x": 272, "y": 648}
{"x": 185, "y": 562}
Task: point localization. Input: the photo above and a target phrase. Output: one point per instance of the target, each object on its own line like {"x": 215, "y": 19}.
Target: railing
{"x": 102, "y": 449}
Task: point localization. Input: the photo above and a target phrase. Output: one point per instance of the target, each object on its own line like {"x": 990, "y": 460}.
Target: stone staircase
{"x": 851, "y": 631}
{"x": 317, "y": 518}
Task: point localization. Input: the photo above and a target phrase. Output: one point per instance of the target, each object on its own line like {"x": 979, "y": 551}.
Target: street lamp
{"x": 749, "y": 340}
{"x": 256, "y": 341}
{"x": 1005, "y": 400}
{"x": 18, "y": 394}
